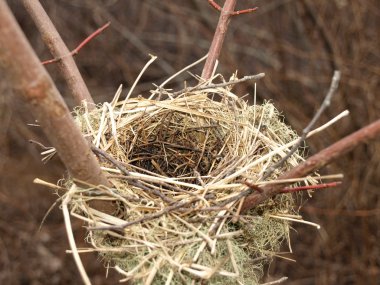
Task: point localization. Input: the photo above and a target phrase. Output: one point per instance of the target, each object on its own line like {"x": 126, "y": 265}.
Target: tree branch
{"x": 315, "y": 162}
{"x": 325, "y": 104}
{"x": 80, "y": 46}
{"x": 32, "y": 83}
{"x": 234, "y": 13}
{"x": 217, "y": 42}
{"x": 58, "y": 49}
{"x": 220, "y": 33}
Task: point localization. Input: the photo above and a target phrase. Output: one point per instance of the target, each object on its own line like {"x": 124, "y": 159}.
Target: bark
{"x": 31, "y": 81}
{"x": 315, "y": 162}
{"x": 217, "y": 42}
{"x": 58, "y": 49}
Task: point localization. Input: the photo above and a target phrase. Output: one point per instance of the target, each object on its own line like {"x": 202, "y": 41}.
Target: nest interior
{"x": 181, "y": 165}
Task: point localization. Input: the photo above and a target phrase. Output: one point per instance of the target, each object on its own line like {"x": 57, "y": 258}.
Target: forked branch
{"x": 33, "y": 84}
{"x": 316, "y": 162}
{"x": 234, "y": 13}
{"x": 58, "y": 49}
{"x": 226, "y": 12}
{"x": 325, "y": 104}
{"x": 80, "y": 46}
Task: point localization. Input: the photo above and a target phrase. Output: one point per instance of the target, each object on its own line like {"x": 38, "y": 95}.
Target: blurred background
{"x": 297, "y": 43}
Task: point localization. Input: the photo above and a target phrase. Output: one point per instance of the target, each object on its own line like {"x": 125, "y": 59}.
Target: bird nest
{"x": 179, "y": 170}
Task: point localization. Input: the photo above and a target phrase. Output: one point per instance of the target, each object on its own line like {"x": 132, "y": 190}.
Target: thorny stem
{"x": 315, "y": 162}
{"x": 58, "y": 49}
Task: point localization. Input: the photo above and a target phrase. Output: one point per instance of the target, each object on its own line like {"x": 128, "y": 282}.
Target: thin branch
{"x": 34, "y": 85}
{"x": 325, "y": 104}
{"x": 145, "y": 218}
{"x": 80, "y": 46}
{"x": 58, "y": 49}
{"x": 217, "y": 42}
{"x": 234, "y": 13}
{"x": 310, "y": 187}
{"x": 315, "y": 162}
{"x": 133, "y": 182}
{"x": 253, "y": 187}
{"x": 226, "y": 12}
{"x": 218, "y": 85}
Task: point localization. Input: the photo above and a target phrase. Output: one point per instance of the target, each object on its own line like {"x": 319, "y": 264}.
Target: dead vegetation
{"x": 299, "y": 60}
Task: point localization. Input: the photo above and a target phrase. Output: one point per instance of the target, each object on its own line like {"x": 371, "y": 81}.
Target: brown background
{"x": 297, "y": 44}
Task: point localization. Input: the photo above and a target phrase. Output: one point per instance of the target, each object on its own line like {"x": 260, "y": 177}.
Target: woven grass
{"x": 178, "y": 170}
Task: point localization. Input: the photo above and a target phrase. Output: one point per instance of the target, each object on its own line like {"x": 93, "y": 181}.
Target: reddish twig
{"x": 33, "y": 84}
{"x": 259, "y": 189}
{"x": 234, "y": 13}
{"x": 58, "y": 49}
{"x": 315, "y": 162}
{"x": 310, "y": 187}
{"x": 220, "y": 33}
{"x": 80, "y": 46}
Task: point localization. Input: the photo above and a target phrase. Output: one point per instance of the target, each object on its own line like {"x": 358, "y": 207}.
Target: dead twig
{"x": 325, "y": 104}
{"x": 156, "y": 215}
{"x": 315, "y": 162}
{"x": 310, "y": 187}
{"x": 125, "y": 171}
{"x": 219, "y": 85}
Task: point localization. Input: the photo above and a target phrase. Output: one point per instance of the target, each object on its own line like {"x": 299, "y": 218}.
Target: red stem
{"x": 316, "y": 162}
{"x": 309, "y": 187}
{"x": 80, "y": 46}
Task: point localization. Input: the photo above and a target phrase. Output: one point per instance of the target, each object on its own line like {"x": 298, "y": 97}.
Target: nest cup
{"x": 178, "y": 171}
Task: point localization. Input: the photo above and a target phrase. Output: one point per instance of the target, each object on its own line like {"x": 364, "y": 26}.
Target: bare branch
{"x": 31, "y": 82}
{"x": 217, "y": 85}
{"x": 315, "y": 162}
{"x": 220, "y": 33}
{"x": 234, "y": 13}
{"x": 310, "y": 187}
{"x": 80, "y": 46}
{"x": 326, "y": 103}
{"x": 58, "y": 49}
{"x": 217, "y": 42}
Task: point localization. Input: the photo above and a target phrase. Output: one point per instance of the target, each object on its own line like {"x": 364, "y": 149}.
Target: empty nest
{"x": 177, "y": 168}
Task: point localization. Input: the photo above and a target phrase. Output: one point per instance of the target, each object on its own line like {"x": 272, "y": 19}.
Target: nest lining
{"x": 191, "y": 154}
